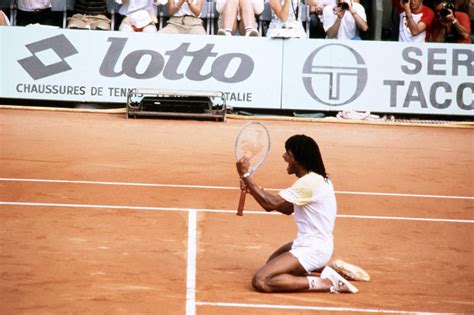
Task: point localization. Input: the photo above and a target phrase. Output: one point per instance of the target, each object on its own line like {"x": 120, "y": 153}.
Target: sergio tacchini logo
{"x": 35, "y": 67}
{"x": 335, "y": 85}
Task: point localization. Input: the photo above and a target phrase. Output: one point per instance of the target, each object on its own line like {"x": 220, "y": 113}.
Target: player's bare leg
{"x": 284, "y": 273}
{"x": 283, "y": 249}
{"x": 277, "y": 276}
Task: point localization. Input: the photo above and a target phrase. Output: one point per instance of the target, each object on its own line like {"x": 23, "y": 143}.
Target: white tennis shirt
{"x": 315, "y": 209}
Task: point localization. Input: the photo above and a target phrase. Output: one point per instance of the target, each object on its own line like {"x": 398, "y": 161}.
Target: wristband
{"x": 246, "y": 175}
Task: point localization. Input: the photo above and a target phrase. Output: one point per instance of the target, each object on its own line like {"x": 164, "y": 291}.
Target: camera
{"x": 447, "y": 8}
{"x": 343, "y": 5}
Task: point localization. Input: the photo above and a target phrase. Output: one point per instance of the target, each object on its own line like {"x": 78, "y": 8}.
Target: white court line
{"x": 191, "y": 264}
{"x": 63, "y": 181}
{"x": 142, "y": 208}
{"x": 310, "y": 308}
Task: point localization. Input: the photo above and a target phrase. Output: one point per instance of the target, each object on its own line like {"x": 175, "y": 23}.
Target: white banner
{"x": 295, "y": 74}
{"x": 95, "y": 66}
{"x": 379, "y": 77}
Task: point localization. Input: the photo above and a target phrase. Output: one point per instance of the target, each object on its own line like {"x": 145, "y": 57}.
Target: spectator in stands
{"x": 89, "y": 14}
{"x": 463, "y": 5}
{"x": 285, "y": 21}
{"x": 470, "y": 12}
{"x": 4, "y": 21}
{"x": 316, "y": 29}
{"x": 184, "y": 17}
{"x": 139, "y": 15}
{"x": 238, "y": 14}
{"x": 37, "y": 12}
{"x": 450, "y": 25}
{"x": 345, "y": 20}
{"x": 415, "y": 20}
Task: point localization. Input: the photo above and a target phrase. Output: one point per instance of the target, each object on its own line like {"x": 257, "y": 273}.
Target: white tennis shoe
{"x": 224, "y": 32}
{"x": 339, "y": 284}
{"x": 349, "y": 271}
{"x": 251, "y": 32}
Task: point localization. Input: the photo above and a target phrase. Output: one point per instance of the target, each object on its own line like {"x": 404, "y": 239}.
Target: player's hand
{"x": 243, "y": 165}
{"x": 243, "y": 187}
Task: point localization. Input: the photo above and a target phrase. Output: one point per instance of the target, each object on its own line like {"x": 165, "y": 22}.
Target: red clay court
{"x": 103, "y": 214}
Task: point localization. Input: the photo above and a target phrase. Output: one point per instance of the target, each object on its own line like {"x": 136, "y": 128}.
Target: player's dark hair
{"x": 306, "y": 152}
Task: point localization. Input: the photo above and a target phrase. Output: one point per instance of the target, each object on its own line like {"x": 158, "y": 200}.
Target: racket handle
{"x": 240, "y": 209}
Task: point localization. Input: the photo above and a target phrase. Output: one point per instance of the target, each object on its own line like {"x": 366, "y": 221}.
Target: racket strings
{"x": 253, "y": 143}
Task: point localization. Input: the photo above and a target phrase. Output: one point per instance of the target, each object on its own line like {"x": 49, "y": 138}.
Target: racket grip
{"x": 240, "y": 209}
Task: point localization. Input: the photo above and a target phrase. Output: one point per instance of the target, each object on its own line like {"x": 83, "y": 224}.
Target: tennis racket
{"x": 253, "y": 142}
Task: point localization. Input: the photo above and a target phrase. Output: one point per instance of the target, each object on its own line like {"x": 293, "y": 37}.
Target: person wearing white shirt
{"x": 313, "y": 202}
{"x": 345, "y": 20}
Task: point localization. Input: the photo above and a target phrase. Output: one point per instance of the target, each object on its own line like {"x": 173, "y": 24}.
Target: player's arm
{"x": 268, "y": 201}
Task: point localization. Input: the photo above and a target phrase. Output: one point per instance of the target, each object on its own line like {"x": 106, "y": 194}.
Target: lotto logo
{"x": 56, "y": 48}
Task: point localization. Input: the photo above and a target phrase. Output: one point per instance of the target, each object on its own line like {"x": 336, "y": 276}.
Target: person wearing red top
{"x": 415, "y": 20}
{"x": 451, "y": 26}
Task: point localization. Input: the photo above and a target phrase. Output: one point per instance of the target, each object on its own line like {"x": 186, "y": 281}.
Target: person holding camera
{"x": 450, "y": 26}
{"x": 415, "y": 20}
{"x": 344, "y": 20}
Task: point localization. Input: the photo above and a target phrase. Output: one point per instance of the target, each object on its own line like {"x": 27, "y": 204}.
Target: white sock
{"x": 312, "y": 283}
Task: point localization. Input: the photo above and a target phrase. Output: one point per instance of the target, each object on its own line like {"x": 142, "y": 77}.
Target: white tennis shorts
{"x": 312, "y": 257}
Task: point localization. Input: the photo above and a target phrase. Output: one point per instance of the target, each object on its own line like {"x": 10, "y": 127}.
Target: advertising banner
{"x": 292, "y": 74}
{"x": 378, "y": 76}
{"x": 94, "y": 66}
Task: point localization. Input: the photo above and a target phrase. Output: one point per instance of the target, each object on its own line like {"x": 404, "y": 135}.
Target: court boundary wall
{"x": 260, "y": 73}
{"x": 396, "y": 122}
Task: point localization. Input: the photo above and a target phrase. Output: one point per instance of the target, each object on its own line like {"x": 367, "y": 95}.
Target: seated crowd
{"x": 418, "y": 20}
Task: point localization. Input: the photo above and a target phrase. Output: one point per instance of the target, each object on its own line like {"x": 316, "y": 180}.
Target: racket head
{"x": 253, "y": 142}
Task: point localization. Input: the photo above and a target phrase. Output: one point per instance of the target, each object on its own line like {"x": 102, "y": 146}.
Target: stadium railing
{"x": 62, "y": 6}
{"x": 9, "y": 5}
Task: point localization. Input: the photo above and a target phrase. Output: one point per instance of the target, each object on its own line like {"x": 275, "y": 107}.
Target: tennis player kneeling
{"x": 313, "y": 202}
